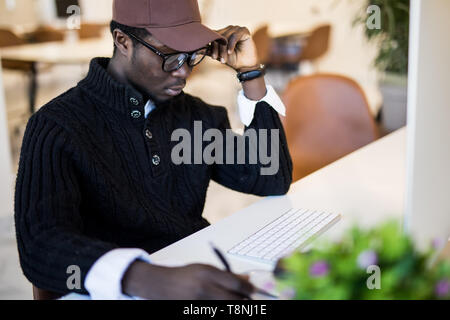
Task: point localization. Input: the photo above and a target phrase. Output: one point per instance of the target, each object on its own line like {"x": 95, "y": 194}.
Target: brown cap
{"x": 175, "y": 23}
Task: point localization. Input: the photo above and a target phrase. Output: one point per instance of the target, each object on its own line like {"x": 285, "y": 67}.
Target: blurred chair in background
{"x": 8, "y": 39}
{"x": 289, "y": 50}
{"x": 316, "y": 47}
{"x": 290, "y": 55}
{"x": 317, "y": 44}
{"x": 327, "y": 117}
{"x": 91, "y": 30}
{"x": 263, "y": 43}
{"x": 286, "y": 51}
{"x": 45, "y": 34}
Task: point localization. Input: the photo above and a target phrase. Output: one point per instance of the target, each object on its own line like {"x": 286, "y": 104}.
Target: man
{"x": 97, "y": 188}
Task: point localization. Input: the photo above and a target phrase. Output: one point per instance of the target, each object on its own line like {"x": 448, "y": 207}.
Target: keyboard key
{"x": 283, "y": 235}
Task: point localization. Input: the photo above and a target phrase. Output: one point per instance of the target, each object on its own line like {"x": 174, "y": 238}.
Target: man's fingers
{"x": 220, "y": 293}
{"x": 223, "y": 49}
{"x": 245, "y": 277}
{"x": 235, "y": 283}
{"x": 228, "y": 53}
{"x": 215, "y": 50}
{"x": 232, "y": 41}
{"x": 237, "y": 35}
{"x": 223, "y": 53}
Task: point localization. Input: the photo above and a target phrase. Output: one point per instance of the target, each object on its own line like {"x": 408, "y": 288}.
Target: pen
{"x": 228, "y": 269}
{"x": 221, "y": 258}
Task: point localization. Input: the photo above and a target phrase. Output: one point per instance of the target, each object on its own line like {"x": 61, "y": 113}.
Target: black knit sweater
{"x": 87, "y": 182}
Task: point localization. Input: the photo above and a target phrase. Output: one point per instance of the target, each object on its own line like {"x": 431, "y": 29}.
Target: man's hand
{"x": 240, "y": 53}
{"x": 184, "y": 283}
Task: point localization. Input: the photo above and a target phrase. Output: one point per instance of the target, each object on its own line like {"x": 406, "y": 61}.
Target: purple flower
{"x": 288, "y": 294}
{"x": 269, "y": 286}
{"x": 367, "y": 258}
{"x": 442, "y": 288}
{"x": 437, "y": 243}
{"x": 319, "y": 269}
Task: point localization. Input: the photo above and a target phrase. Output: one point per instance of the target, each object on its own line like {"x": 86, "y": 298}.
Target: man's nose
{"x": 183, "y": 72}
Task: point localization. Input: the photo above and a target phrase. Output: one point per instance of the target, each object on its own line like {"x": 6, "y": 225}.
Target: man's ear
{"x": 123, "y": 43}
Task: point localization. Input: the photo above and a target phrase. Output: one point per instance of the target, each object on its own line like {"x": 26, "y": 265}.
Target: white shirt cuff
{"x": 247, "y": 107}
{"x": 104, "y": 279}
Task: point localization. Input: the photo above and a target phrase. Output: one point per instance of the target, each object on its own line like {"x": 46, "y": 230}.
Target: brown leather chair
{"x": 39, "y": 294}
{"x": 45, "y": 34}
{"x": 9, "y": 39}
{"x": 91, "y": 30}
{"x": 317, "y": 43}
{"x": 263, "y": 43}
{"x": 327, "y": 117}
{"x": 290, "y": 49}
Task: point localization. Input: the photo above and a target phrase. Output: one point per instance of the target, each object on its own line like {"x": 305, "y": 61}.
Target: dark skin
{"x": 141, "y": 68}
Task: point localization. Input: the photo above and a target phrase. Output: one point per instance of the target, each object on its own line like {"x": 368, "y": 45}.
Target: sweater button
{"x": 134, "y": 101}
{"x": 136, "y": 114}
{"x": 156, "y": 160}
{"x": 148, "y": 134}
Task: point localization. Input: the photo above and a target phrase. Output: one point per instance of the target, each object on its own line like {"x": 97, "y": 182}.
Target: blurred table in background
{"x": 60, "y": 52}
{"x": 64, "y": 52}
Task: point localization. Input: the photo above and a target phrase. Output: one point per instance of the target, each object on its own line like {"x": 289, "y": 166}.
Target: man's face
{"x": 145, "y": 72}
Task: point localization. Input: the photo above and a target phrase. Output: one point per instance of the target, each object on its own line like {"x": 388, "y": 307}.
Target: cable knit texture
{"x": 88, "y": 181}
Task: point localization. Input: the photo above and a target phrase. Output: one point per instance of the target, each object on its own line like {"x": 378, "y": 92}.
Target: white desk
{"x": 366, "y": 187}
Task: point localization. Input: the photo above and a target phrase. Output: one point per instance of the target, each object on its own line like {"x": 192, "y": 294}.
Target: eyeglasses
{"x": 174, "y": 61}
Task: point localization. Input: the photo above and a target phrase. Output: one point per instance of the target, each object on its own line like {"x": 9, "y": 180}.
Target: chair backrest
{"x": 317, "y": 43}
{"x": 40, "y": 294}
{"x": 9, "y": 38}
{"x": 327, "y": 117}
{"x": 263, "y": 43}
{"x": 91, "y": 30}
{"x": 45, "y": 34}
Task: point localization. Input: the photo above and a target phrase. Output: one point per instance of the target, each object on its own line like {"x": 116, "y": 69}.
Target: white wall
{"x": 23, "y": 15}
{"x": 6, "y": 174}
{"x": 428, "y": 203}
{"x": 96, "y": 11}
{"x": 18, "y": 14}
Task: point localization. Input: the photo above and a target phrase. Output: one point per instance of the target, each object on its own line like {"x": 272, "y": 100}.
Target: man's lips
{"x": 175, "y": 90}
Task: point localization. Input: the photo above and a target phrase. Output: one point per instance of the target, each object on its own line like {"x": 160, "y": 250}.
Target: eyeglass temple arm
{"x": 145, "y": 44}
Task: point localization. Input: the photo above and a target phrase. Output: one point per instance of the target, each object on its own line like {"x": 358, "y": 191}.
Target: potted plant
{"x": 392, "y": 37}
{"x": 378, "y": 263}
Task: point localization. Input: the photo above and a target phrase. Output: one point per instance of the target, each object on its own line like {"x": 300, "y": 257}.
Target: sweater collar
{"x": 122, "y": 97}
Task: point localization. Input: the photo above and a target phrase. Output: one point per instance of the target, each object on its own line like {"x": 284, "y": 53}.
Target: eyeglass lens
{"x": 175, "y": 62}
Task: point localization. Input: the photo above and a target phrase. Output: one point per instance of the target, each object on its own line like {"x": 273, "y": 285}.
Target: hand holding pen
{"x": 225, "y": 263}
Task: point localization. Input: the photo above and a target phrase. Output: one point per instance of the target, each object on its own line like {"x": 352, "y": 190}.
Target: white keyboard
{"x": 291, "y": 231}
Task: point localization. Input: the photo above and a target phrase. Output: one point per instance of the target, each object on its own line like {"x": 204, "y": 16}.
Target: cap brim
{"x": 186, "y": 37}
